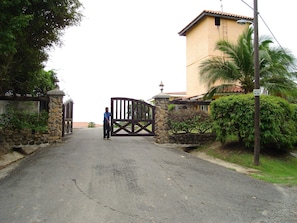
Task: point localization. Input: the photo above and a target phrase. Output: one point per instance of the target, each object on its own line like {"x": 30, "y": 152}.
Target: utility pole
{"x": 256, "y": 87}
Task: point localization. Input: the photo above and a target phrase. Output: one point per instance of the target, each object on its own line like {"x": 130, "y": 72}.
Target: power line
{"x": 248, "y": 5}
{"x": 268, "y": 29}
{"x": 265, "y": 24}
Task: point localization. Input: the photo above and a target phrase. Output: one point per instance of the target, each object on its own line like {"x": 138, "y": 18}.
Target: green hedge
{"x": 189, "y": 120}
{"x": 234, "y": 115}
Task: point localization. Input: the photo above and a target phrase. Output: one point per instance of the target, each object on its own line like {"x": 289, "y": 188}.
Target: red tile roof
{"x": 220, "y": 14}
{"x": 231, "y": 89}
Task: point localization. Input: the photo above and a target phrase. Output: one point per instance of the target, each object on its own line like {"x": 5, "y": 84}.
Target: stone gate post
{"x": 55, "y": 115}
{"x": 161, "y": 118}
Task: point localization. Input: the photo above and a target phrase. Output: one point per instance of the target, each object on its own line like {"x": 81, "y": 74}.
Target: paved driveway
{"x": 130, "y": 179}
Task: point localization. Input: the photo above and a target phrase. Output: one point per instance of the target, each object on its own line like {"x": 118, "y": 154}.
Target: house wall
{"x": 3, "y": 105}
{"x": 27, "y": 106}
{"x": 200, "y": 45}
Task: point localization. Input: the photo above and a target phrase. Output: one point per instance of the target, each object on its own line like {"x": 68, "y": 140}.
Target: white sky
{"x": 126, "y": 48}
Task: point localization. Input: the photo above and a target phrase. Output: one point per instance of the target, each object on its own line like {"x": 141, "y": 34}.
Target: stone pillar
{"x": 55, "y": 116}
{"x": 161, "y": 118}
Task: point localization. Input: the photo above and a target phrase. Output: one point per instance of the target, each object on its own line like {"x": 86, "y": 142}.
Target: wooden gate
{"x": 67, "y": 119}
{"x": 131, "y": 117}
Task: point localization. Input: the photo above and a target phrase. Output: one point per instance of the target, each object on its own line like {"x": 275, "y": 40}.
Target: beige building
{"x": 201, "y": 36}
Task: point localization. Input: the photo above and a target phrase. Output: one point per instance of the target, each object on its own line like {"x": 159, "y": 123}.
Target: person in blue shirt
{"x": 106, "y": 124}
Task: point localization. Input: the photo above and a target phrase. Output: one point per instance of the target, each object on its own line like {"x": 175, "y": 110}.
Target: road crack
{"x": 108, "y": 207}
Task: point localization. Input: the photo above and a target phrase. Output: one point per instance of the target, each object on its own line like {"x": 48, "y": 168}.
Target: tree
{"x": 43, "y": 82}
{"x": 28, "y": 28}
{"x": 237, "y": 66}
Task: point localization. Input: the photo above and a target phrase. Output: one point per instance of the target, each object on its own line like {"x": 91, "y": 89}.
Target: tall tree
{"x": 28, "y": 28}
{"x": 237, "y": 66}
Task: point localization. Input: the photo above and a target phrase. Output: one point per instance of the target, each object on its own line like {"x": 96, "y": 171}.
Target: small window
{"x": 217, "y": 21}
{"x": 204, "y": 108}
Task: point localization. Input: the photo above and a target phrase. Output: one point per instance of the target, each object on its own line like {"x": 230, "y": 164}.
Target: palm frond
{"x": 277, "y": 65}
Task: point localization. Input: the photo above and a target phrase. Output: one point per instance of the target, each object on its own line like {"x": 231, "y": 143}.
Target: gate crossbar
{"x": 131, "y": 117}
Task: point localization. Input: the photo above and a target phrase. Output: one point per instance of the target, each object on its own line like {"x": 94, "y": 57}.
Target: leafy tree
{"x": 43, "y": 82}
{"x": 237, "y": 66}
{"x": 28, "y": 28}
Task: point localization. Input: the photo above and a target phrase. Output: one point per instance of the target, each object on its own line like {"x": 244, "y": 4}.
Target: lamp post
{"x": 161, "y": 86}
{"x": 256, "y": 83}
{"x": 256, "y": 87}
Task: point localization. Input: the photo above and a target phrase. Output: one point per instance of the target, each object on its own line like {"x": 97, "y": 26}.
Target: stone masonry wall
{"x": 192, "y": 138}
{"x": 55, "y": 115}
{"x": 55, "y": 120}
{"x": 19, "y": 138}
{"x": 161, "y": 117}
{"x": 15, "y": 138}
{"x": 162, "y": 135}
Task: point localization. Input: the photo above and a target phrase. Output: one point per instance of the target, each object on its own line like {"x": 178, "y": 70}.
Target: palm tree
{"x": 237, "y": 66}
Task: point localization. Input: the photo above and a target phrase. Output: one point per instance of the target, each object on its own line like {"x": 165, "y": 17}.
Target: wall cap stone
{"x": 162, "y": 96}
{"x": 56, "y": 92}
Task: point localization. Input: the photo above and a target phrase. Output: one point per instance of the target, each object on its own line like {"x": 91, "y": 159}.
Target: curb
{"x": 9, "y": 158}
{"x": 17, "y": 154}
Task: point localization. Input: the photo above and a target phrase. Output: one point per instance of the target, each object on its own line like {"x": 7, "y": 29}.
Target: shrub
{"x": 18, "y": 120}
{"x": 171, "y": 107}
{"x": 235, "y": 115}
{"x": 91, "y": 125}
{"x": 188, "y": 120}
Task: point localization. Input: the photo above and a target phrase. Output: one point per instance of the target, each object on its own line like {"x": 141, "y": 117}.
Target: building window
{"x": 217, "y": 21}
{"x": 203, "y": 108}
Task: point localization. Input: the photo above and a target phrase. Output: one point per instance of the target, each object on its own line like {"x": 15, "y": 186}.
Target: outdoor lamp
{"x": 161, "y": 86}
{"x": 244, "y": 21}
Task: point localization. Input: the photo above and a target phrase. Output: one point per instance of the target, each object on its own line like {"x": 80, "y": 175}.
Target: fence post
{"x": 161, "y": 118}
{"x": 55, "y": 115}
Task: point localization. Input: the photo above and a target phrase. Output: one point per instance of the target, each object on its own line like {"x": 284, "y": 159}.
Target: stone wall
{"x": 192, "y": 138}
{"x": 18, "y": 138}
{"x": 162, "y": 135}
{"x": 161, "y": 117}
{"x": 55, "y": 116}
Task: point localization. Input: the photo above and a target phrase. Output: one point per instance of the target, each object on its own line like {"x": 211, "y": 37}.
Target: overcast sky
{"x": 126, "y": 48}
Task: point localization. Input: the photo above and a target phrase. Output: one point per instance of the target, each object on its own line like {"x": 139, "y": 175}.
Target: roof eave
{"x": 214, "y": 14}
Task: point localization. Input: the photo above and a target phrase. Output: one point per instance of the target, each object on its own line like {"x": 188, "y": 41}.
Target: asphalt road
{"x": 131, "y": 180}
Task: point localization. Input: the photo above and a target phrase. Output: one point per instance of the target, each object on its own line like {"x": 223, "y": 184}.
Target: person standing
{"x": 106, "y": 124}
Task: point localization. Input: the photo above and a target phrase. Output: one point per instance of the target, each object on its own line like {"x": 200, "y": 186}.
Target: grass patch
{"x": 275, "y": 168}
